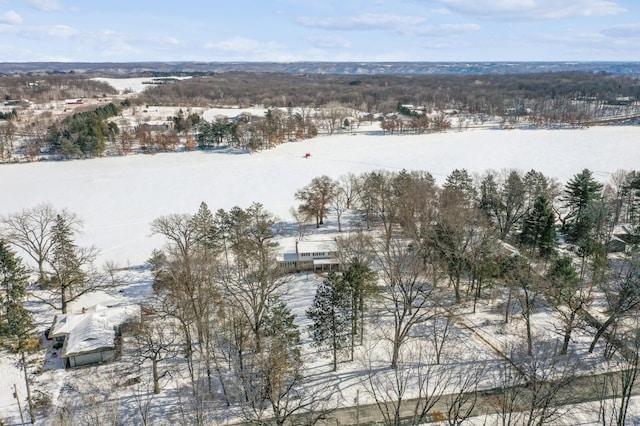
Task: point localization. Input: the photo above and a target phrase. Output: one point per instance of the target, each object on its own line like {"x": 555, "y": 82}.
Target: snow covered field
{"x": 118, "y": 197}
{"x": 135, "y": 84}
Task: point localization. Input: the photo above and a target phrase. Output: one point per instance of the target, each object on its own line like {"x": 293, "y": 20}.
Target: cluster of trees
{"x": 83, "y": 134}
{"x": 436, "y": 247}
{"x": 256, "y": 133}
{"x": 42, "y": 88}
{"x": 416, "y": 254}
{"x": 317, "y": 102}
{"x": 550, "y": 97}
{"x": 459, "y": 229}
{"x": 415, "y": 123}
{"x": 8, "y": 115}
{"x": 217, "y": 282}
{"x": 64, "y": 272}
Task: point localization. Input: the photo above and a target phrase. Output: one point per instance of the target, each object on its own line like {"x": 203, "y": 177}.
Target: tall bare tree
{"x": 30, "y": 230}
{"x": 406, "y": 293}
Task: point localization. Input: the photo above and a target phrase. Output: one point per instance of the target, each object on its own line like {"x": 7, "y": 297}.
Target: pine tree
{"x": 461, "y": 182}
{"x": 360, "y": 279}
{"x": 580, "y": 192}
{"x": 16, "y": 323}
{"x": 66, "y": 263}
{"x": 331, "y": 315}
{"x": 15, "y": 320}
{"x": 538, "y": 229}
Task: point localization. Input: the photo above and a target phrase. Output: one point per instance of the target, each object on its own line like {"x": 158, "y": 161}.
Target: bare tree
{"x": 31, "y": 231}
{"x": 406, "y": 395}
{"x": 302, "y": 219}
{"x": 622, "y": 294}
{"x": 339, "y": 207}
{"x": 347, "y": 185}
{"x": 546, "y": 374}
{"x": 569, "y": 296}
{"x": 70, "y": 270}
{"x": 463, "y": 401}
{"x": 155, "y": 341}
{"x": 528, "y": 287}
{"x": 615, "y": 388}
{"x": 332, "y": 116}
{"x": 406, "y": 294}
{"x": 7, "y": 135}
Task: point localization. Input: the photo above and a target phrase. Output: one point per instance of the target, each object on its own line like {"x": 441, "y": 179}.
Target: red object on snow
{"x": 307, "y": 155}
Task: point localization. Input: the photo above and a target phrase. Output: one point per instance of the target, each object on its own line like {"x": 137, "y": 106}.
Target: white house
{"x": 320, "y": 256}
{"x": 90, "y": 336}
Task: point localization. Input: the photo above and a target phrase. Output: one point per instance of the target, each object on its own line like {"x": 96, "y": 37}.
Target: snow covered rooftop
{"x": 92, "y": 330}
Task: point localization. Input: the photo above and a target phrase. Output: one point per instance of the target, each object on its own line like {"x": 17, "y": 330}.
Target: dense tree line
{"x": 42, "y": 88}
{"x": 550, "y": 95}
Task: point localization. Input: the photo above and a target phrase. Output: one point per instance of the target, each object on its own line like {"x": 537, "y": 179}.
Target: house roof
{"x": 622, "y": 229}
{"x": 318, "y": 246}
{"x": 93, "y": 330}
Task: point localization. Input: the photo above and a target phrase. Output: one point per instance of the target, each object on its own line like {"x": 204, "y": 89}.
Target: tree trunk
{"x": 602, "y": 329}
{"x": 396, "y": 354}
{"x": 156, "y": 378}
{"x": 567, "y": 333}
{"x": 335, "y": 350}
{"x": 507, "y": 307}
{"x": 32, "y": 415}
{"x": 527, "y": 318}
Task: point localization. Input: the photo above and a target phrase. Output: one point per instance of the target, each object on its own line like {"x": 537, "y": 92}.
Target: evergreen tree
{"x": 67, "y": 275}
{"x": 331, "y": 315}
{"x": 16, "y": 323}
{"x": 460, "y": 182}
{"x": 360, "y": 279}
{"x": 203, "y": 223}
{"x": 538, "y": 229}
{"x": 15, "y": 320}
{"x": 567, "y": 295}
{"x": 580, "y": 192}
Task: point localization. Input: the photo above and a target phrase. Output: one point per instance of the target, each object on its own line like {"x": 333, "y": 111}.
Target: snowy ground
{"x": 134, "y": 84}
{"x": 118, "y": 197}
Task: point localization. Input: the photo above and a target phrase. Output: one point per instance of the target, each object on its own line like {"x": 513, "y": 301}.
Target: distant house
{"x": 91, "y": 336}
{"x": 319, "y": 256}
{"x": 158, "y": 125}
{"x": 620, "y": 100}
{"x": 622, "y": 237}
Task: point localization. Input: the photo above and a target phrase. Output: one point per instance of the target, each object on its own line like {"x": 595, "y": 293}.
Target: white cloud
{"x": 369, "y": 21}
{"x": 444, "y": 30}
{"x": 243, "y": 45}
{"x": 329, "y": 42}
{"x": 534, "y": 9}
{"x": 45, "y": 4}
{"x": 61, "y": 31}
{"x": 236, "y": 44}
{"x": 623, "y": 31}
{"x": 10, "y": 17}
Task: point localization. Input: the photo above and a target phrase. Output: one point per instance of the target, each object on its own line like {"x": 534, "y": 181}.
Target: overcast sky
{"x": 319, "y": 30}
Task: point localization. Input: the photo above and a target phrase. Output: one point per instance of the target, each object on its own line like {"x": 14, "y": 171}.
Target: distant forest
{"x": 490, "y": 94}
